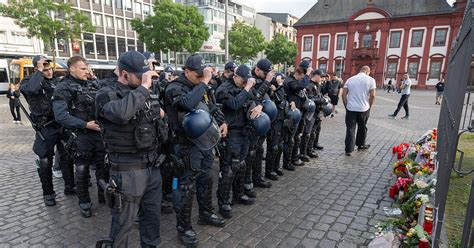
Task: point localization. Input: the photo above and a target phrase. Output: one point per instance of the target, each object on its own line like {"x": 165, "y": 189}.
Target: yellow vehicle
{"x": 20, "y": 68}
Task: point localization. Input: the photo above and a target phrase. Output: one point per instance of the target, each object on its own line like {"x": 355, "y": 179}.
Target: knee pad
{"x": 252, "y": 154}
{"x": 236, "y": 165}
{"x": 45, "y": 163}
{"x": 82, "y": 169}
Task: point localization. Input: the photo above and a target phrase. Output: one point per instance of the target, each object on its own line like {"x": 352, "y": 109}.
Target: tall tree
{"x": 281, "y": 51}
{"x": 245, "y": 42}
{"x": 47, "y": 20}
{"x": 174, "y": 27}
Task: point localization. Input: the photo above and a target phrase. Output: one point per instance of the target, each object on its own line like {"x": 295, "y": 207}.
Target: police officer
{"x": 263, "y": 75}
{"x": 314, "y": 92}
{"x": 235, "y": 96}
{"x": 74, "y": 107}
{"x": 274, "y": 138}
{"x": 38, "y": 90}
{"x": 293, "y": 85}
{"x": 296, "y": 93}
{"x": 183, "y": 96}
{"x": 229, "y": 70}
{"x": 128, "y": 116}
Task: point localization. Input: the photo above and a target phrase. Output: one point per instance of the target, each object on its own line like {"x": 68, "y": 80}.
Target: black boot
{"x": 250, "y": 192}
{"x": 312, "y": 154}
{"x": 238, "y": 195}
{"x": 226, "y": 178}
{"x": 82, "y": 189}
{"x": 316, "y": 138}
{"x": 86, "y": 210}
{"x": 257, "y": 177}
{"x": 270, "y": 163}
{"x": 310, "y": 150}
{"x": 187, "y": 236}
{"x": 211, "y": 219}
{"x": 277, "y": 161}
{"x": 49, "y": 200}
{"x": 303, "y": 148}
{"x": 288, "y": 155}
{"x": 45, "y": 172}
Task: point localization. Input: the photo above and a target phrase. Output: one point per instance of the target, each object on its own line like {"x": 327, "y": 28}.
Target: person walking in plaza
{"x": 334, "y": 91}
{"x": 358, "y": 96}
{"x": 405, "y": 91}
{"x": 439, "y": 92}
{"x": 13, "y": 95}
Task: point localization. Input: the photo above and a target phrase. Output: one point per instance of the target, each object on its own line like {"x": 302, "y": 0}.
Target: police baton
{"x": 33, "y": 124}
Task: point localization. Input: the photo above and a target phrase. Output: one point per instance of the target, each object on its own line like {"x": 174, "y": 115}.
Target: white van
{"x": 4, "y": 79}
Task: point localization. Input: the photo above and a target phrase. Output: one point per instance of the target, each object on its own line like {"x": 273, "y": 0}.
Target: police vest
{"x": 176, "y": 115}
{"x": 41, "y": 105}
{"x": 82, "y": 104}
{"x": 235, "y": 119}
{"x": 144, "y": 132}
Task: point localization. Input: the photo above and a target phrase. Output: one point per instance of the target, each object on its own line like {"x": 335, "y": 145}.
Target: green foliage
{"x": 281, "y": 51}
{"x": 245, "y": 42}
{"x": 174, "y": 27}
{"x": 47, "y": 19}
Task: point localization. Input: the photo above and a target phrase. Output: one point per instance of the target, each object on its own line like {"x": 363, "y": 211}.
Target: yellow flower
{"x": 409, "y": 234}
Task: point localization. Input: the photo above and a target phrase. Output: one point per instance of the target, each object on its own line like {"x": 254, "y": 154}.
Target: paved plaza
{"x": 334, "y": 201}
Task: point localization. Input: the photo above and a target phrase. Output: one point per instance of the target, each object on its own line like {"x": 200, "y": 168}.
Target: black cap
{"x": 38, "y": 58}
{"x": 264, "y": 65}
{"x": 304, "y": 64}
{"x": 195, "y": 63}
{"x": 148, "y": 55}
{"x": 280, "y": 74}
{"x": 230, "y": 66}
{"x": 169, "y": 69}
{"x": 133, "y": 62}
{"x": 244, "y": 72}
{"x": 317, "y": 72}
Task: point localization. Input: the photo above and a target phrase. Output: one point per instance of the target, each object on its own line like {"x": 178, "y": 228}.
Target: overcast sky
{"x": 295, "y": 7}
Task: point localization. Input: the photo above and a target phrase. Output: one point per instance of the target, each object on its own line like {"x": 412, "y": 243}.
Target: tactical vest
{"x": 176, "y": 115}
{"x": 235, "y": 119}
{"x": 41, "y": 105}
{"x": 82, "y": 104}
{"x": 142, "y": 133}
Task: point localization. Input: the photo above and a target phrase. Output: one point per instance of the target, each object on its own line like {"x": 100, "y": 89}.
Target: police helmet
{"x": 201, "y": 130}
{"x": 309, "y": 106}
{"x": 262, "y": 124}
{"x": 294, "y": 115}
{"x": 327, "y": 109}
{"x": 270, "y": 108}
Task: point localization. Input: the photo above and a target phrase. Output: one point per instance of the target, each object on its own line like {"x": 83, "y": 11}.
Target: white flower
{"x": 432, "y": 191}
{"x": 423, "y": 198}
{"x": 421, "y": 184}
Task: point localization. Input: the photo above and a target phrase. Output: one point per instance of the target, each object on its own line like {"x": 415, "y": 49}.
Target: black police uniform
{"x": 275, "y": 138}
{"x": 294, "y": 89}
{"x": 181, "y": 97}
{"x": 318, "y": 99}
{"x": 73, "y": 105}
{"x": 314, "y": 123}
{"x": 254, "y": 161}
{"x": 38, "y": 91}
{"x": 235, "y": 102}
{"x": 128, "y": 119}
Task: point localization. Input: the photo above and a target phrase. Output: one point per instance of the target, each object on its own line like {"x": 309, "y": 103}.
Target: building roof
{"x": 332, "y": 11}
{"x": 278, "y": 17}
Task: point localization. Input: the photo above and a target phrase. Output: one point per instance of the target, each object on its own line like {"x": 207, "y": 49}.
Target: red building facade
{"x": 392, "y": 37}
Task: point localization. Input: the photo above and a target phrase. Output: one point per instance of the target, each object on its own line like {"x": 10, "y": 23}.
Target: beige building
{"x": 273, "y": 23}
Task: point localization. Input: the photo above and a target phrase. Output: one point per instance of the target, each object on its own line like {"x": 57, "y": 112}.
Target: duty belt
{"x": 135, "y": 161}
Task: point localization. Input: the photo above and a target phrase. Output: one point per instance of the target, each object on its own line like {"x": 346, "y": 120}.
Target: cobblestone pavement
{"x": 334, "y": 201}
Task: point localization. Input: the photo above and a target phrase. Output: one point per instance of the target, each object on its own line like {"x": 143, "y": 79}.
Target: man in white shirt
{"x": 358, "y": 96}
{"x": 405, "y": 91}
